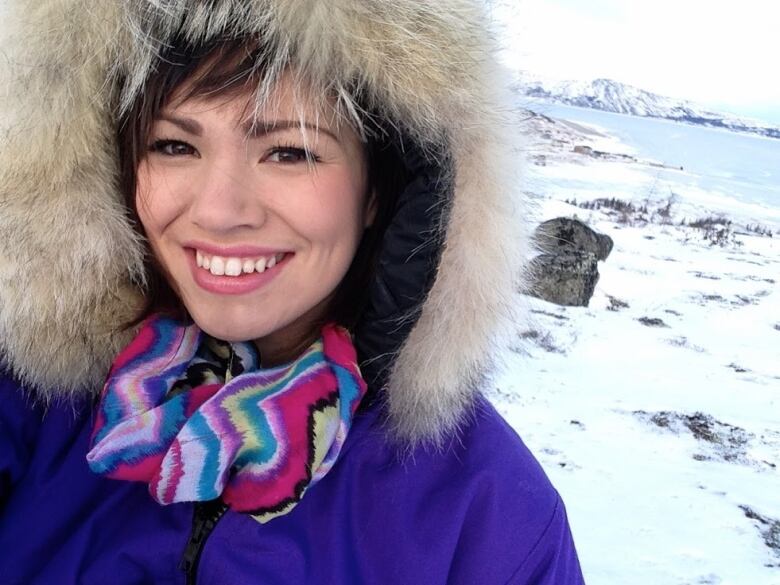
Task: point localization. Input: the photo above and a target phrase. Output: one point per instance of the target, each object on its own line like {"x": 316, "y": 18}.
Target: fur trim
{"x": 72, "y": 267}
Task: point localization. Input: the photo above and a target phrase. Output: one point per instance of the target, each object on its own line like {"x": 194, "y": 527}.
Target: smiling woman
{"x": 237, "y": 220}
{"x": 244, "y": 197}
{"x": 304, "y": 238}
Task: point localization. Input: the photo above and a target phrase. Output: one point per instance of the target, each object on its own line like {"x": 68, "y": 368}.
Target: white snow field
{"x": 656, "y": 410}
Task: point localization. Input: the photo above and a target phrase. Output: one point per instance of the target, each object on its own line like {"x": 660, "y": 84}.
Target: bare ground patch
{"x": 542, "y": 339}
{"x": 682, "y": 341}
{"x": 652, "y": 322}
{"x": 770, "y": 531}
{"x": 550, "y": 314}
{"x": 616, "y": 304}
{"x": 704, "y": 275}
{"x": 717, "y": 439}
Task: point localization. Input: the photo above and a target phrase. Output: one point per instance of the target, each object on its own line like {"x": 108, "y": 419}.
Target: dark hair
{"x": 226, "y": 67}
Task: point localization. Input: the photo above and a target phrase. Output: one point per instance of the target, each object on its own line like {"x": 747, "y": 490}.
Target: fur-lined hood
{"x": 71, "y": 265}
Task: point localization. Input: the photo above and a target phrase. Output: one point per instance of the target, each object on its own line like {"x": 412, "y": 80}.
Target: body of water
{"x": 739, "y": 165}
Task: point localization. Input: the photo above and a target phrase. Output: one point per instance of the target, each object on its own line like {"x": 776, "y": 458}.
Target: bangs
{"x": 221, "y": 68}
{"x": 227, "y": 68}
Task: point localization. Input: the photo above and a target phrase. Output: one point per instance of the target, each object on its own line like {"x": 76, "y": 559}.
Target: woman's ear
{"x": 371, "y": 209}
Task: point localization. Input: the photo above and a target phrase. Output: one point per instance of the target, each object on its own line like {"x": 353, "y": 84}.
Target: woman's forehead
{"x": 287, "y": 102}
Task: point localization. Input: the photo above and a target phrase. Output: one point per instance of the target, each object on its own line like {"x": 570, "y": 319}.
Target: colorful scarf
{"x": 198, "y": 419}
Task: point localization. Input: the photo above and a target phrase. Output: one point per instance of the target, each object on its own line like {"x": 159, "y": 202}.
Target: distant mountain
{"x": 613, "y": 96}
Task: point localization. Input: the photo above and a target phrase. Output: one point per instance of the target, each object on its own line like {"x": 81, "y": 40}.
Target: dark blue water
{"x": 741, "y": 165}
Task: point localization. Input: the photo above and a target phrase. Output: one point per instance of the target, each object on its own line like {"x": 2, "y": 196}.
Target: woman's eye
{"x": 291, "y": 154}
{"x": 172, "y": 148}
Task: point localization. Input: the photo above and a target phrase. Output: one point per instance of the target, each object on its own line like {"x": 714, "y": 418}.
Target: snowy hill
{"x": 612, "y": 96}
{"x": 655, "y": 409}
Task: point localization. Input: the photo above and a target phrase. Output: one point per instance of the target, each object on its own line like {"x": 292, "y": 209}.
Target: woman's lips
{"x": 225, "y": 251}
{"x": 234, "y": 285}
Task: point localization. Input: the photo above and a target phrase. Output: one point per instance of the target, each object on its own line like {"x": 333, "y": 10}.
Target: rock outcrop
{"x": 566, "y": 272}
{"x": 564, "y": 234}
{"x": 565, "y": 279}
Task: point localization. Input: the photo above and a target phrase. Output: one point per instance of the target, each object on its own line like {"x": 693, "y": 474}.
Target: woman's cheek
{"x": 157, "y": 199}
{"x": 143, "y": 194}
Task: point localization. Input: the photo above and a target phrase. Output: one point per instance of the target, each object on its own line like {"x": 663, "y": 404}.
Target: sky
{"x": 719, "y": 53}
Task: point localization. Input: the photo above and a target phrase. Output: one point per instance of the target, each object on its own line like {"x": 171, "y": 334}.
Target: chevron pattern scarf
{"x": 198, "y": 419}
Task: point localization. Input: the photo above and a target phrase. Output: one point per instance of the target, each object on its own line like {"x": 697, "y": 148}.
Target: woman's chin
{"x": 275, "y": 330}
{"x": 233, "y": 329}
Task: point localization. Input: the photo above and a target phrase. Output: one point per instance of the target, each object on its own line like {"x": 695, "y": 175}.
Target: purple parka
{"x": 480, "y": 511}
{"x": 431, "y": 486}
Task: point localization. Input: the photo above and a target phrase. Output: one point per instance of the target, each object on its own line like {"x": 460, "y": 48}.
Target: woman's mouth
{"x": 235, "y": 266}
{"x": 234, "y": 275}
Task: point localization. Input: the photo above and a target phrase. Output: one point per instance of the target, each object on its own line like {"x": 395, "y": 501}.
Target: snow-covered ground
{"x": 656, "y": 410}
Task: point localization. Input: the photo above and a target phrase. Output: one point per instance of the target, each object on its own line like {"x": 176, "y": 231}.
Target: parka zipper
{"x": 205, "y": 517}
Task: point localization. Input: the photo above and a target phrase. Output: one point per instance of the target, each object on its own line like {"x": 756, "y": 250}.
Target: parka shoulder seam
{"x": 542, "y": 536}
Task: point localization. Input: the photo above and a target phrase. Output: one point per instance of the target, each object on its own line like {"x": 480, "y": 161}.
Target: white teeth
{"x": 221, "y": 266}
{"x": 233, "y": 267}
{"x": 217, "y": 267}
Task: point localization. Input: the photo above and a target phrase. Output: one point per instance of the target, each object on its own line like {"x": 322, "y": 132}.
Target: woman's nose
{"x": 226, "y": 196}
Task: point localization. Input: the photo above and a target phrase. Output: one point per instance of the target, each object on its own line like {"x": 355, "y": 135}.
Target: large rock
{"x": 567, "y": 278}
{"x": 564, "y": 234}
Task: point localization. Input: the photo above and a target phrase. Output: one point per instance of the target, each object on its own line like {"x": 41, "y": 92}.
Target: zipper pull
{"x": 229, "y": 369}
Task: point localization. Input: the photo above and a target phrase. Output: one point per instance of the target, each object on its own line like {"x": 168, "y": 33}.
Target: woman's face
{"x": 254, "y": 225}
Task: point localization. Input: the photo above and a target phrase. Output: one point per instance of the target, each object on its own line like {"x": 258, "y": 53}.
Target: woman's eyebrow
{"x": 186, "y": 124}
{"x": 254, "y": 129}
{"x": 259, "y": 128}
